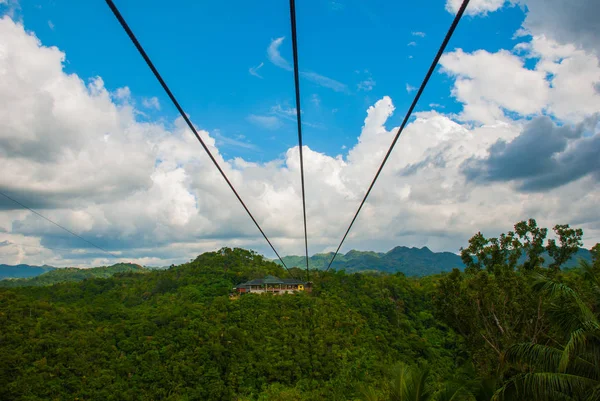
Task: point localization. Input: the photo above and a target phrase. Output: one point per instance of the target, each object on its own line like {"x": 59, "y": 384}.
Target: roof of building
{"x": 270, "y": 280}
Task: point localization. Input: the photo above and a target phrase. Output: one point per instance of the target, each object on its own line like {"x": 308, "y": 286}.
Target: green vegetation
{"x": 511, "y": 326}
{"x": 62, "y": 275}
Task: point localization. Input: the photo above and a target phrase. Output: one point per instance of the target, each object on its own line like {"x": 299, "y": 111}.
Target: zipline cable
{"x": 311, "y": 328}
{"x": 57, "y": 225}
{"x": 299, "y": 121}
{"x": 142, "y": 52}
{"x": 459, "y": 14}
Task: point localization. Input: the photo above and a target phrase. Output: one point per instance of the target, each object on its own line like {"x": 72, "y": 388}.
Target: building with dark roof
{"x": 272, "y": 284}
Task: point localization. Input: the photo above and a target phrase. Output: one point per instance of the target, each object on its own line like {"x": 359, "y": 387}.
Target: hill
{"x": 175, "y": 335}
{"x": 61, "y": 275}
{"x": 23, "y": 271}
{"x": 410, "y": 261}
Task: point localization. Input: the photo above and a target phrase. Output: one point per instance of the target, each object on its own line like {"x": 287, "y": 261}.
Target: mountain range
{"x": 23, "y": 271}
{"x": 59, "y": 275}
{"x": 410, "y": 261}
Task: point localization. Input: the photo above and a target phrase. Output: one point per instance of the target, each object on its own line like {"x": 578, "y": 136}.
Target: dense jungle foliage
{"x": 501, "y": 329}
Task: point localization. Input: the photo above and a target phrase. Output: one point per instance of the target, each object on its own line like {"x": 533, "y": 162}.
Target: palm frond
{"x": 370, "y": 394}
{"x": 409, "y": 384}
{"x": 545, "y": 386}
{"x": 485, "y": 389}
{"x": 537, "y": 356}
{"x": 561, "y": 292}
{"x": 589, "y": 273}
{"x": 453, "y": 392}
{"x": 582, "y": 340}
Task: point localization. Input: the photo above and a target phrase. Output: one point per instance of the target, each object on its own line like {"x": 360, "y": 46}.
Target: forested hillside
{"x": 62, "y": 275}
{"x": 500, "y": 329}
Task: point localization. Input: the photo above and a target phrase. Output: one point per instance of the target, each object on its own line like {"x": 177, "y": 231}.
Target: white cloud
{"x": 50, "y": 24}
{"x": 316, "y": 100}
{"x": 238, "y": 142}
{"x": 284, "y": 111}
{"x": 254, "y": 70}
{"x": 76, "y": 152}
{"x": 410, "y": 88}
{"x": 492, "y": 84}
{"x": 366, "y": 85}
{"x": 274, "y": 55}
{"x": 151, "y": 103}
{"x": 572, "y": 74}
{"x": 324, "y": 81}
{"x": 488, "y": 82}
{"x": 475, "y": 6}
{"x": 419, "y": 34}
{"x": 412, "y": 44}
{"x": 123, "y": 93}
{"x": 268, "y": 122}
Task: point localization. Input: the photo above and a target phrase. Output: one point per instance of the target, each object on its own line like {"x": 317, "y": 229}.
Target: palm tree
{"x": 569, "y": 370}
{"x": 411, "y": 383}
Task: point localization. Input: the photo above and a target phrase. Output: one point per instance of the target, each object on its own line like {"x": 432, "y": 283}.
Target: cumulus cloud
{"x": 488, "y": 82}
{"x": 145, "y": 191}
{"x": 491, "y": 85}
{"x": 566, "y": 22}
{"x": 542, "y": 156}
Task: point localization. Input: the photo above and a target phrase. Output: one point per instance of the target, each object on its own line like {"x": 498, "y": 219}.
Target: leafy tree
{"x": 570, "y": 241}
{"x": 569, "y": 368}
{"x": 492, "y": 304}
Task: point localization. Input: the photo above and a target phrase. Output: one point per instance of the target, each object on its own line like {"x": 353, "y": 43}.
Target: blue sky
{"x": 508, "y": 127}
{"x": 204, "y": 50}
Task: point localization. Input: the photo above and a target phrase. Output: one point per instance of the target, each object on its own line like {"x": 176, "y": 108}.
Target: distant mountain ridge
{"x": 410, "y": 261}
{"x": 23, "y": 271}
{"x": 61, "y": 275}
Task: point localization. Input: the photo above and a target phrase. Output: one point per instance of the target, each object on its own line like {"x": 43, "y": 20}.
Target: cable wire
{"x": 299, "y": 121}
{"x": 459, "y": 14}
{"x": 298, "y": 118}
{"x": 56, "y": 224}
{"x": 142, "y": 52}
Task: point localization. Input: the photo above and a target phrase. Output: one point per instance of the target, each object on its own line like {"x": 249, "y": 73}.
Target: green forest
{"x": 515, "y": 324}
